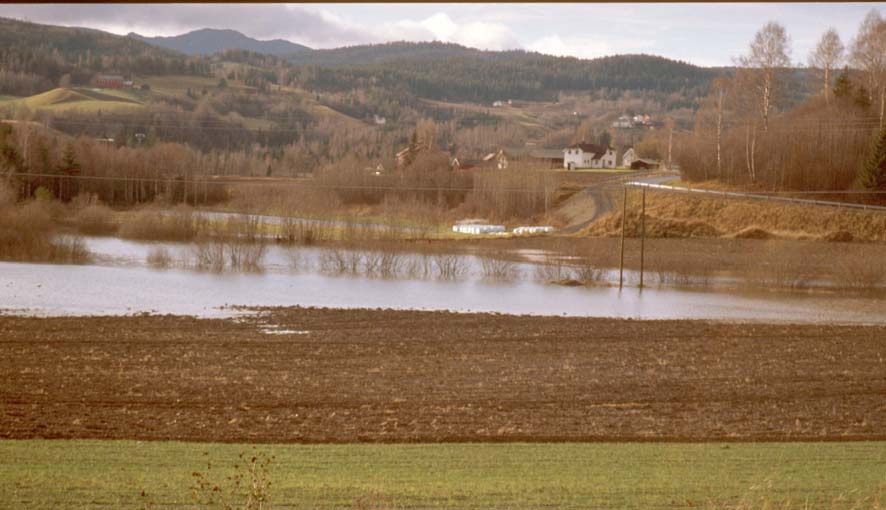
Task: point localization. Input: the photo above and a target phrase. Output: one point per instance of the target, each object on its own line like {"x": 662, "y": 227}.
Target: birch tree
{"x": 826, "y": 56}
{"x": 769, "y": 55}
{"x": 869, "y": 54}
{"x": 868, "y": 49}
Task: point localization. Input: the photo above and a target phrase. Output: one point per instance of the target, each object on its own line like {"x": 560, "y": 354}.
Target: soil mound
{"x": 753, "y": 232}
{"x": 610, "y": 225}
{"x": 839, "y": 236}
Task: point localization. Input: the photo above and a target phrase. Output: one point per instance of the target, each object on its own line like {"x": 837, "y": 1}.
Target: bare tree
{"x": 769, "y": 54}
{"x": 868, "y": 49}
{"x": 719, "y": 91}
{"x": 827, "y": 56}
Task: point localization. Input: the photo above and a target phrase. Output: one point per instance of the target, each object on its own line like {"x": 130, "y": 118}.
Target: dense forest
{"x": 450, "y": 72}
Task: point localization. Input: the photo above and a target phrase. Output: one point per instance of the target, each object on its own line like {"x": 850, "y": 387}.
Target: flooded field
{"x": 121, "y": 282}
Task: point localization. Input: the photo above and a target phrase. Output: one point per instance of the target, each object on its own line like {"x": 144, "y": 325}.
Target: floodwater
{"x": 120, "y": 283}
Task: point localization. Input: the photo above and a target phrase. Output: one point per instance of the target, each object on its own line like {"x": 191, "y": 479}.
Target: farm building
{"x": 588, "y": 155}
{"x": 645, "y": 164}
{"x": 498, "y": 159}
{"x": 628, "y": 157}
{"x": 109, "y": 81}
{"x": 551, "y": 158}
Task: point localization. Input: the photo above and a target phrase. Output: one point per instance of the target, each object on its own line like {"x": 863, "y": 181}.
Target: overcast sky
{"x": 703, "y": 34}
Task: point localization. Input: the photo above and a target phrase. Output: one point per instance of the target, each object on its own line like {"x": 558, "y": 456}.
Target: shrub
{"x": 96, "y": 219}
{"x": 180, "y": 224}
{"x": 25, "y": 234}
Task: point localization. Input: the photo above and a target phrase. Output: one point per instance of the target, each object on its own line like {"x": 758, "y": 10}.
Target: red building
{"x": 109, "y": 81}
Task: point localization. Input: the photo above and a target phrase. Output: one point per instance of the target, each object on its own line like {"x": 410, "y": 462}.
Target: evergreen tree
{"x": 873, "y": 173}
{"x": 843, "y": 85}
{"x": 69, "y": 167}
{"x": 863, "y": 98}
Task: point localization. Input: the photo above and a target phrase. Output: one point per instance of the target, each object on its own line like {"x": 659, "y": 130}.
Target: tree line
{"x": 743, "y": 133}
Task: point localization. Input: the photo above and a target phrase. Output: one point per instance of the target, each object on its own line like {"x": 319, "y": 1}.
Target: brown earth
{"x": 401, "y": 376}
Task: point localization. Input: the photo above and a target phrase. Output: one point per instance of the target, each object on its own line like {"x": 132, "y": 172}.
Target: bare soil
{"x": 407, "y": 376}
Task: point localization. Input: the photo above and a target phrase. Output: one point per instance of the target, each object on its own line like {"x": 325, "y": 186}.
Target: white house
{"x": 588, "y": 155}
{"x": 623, "y": 122}
{"x": 628, "y": 157}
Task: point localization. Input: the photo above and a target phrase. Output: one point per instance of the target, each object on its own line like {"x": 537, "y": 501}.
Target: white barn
{"x": 588, "y": 155}
{"x": 628, "y": 157}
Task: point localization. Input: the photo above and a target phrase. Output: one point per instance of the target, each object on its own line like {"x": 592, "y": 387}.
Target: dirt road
{"x": 312, "y": 375}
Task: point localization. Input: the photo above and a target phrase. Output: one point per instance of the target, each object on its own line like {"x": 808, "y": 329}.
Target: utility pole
{"x": 624, "y": 214}
{"x": 642, "y": 237}
{"x": 670, "y": 140}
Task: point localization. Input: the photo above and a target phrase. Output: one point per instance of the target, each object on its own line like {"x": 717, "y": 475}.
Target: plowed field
{"x": 321, "y": 375}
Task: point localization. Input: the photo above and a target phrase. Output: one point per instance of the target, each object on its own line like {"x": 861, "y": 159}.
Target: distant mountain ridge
{"x": 208, "y": 41}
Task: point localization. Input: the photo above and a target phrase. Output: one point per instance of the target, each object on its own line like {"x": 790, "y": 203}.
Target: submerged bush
{"x": 26, "y": 235}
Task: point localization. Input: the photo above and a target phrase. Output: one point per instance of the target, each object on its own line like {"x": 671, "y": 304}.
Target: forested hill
{"x": 456, "y": 73}
{"x": 208, "y": 41}
{"x": 39, "y": 55}
{"x": 36, "y": 56}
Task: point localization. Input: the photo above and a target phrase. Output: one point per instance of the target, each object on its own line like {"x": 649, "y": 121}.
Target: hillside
{"x": 455, "y": 73}
{"x": 209, "y": 41}
{"x": 34, "y": 57}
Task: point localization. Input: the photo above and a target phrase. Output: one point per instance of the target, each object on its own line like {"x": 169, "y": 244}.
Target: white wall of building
{"x": 577, "y": 158}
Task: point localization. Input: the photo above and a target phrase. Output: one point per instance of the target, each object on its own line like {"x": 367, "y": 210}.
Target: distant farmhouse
{"x": 636, "y": 122}
{"x": 588, "y": 155}
{"x": 623, "y": 122}
{"x": 110, "y": 81}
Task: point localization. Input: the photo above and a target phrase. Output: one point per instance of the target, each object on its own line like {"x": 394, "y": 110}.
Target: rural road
{"x": 601, "y": 198}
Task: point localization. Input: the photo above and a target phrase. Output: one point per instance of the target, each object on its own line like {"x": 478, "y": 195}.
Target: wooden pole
{"x": 624, "y": 214}
{"x": 642, "y": 236}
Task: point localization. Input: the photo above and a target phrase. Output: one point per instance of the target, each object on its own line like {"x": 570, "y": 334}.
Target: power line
{"x": 213, "y": 180}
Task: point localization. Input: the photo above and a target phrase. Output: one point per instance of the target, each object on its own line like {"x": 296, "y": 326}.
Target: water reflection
{"x": 122, "y": 284}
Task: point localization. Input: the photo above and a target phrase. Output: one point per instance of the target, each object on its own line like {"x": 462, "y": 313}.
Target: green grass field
{"x": 81, "y": 99}
{"x": 111, "y": 474}
{"x": 177, "y": 85}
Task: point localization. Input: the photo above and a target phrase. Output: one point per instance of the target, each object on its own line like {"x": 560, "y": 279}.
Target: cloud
{"x": 441, "y": 27}
{"x": 588, "y": 47}
{"x": 316, "y": 28}
{"x": 260, "y": 21}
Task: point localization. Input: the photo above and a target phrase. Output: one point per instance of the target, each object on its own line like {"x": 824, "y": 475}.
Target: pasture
{"x": 88, "y": 474}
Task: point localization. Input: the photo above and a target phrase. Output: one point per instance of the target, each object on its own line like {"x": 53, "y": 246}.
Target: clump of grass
{"x": 247, "y": 488}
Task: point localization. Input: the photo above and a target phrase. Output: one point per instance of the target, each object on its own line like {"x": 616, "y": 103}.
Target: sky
{"x": 703, "y": 34}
